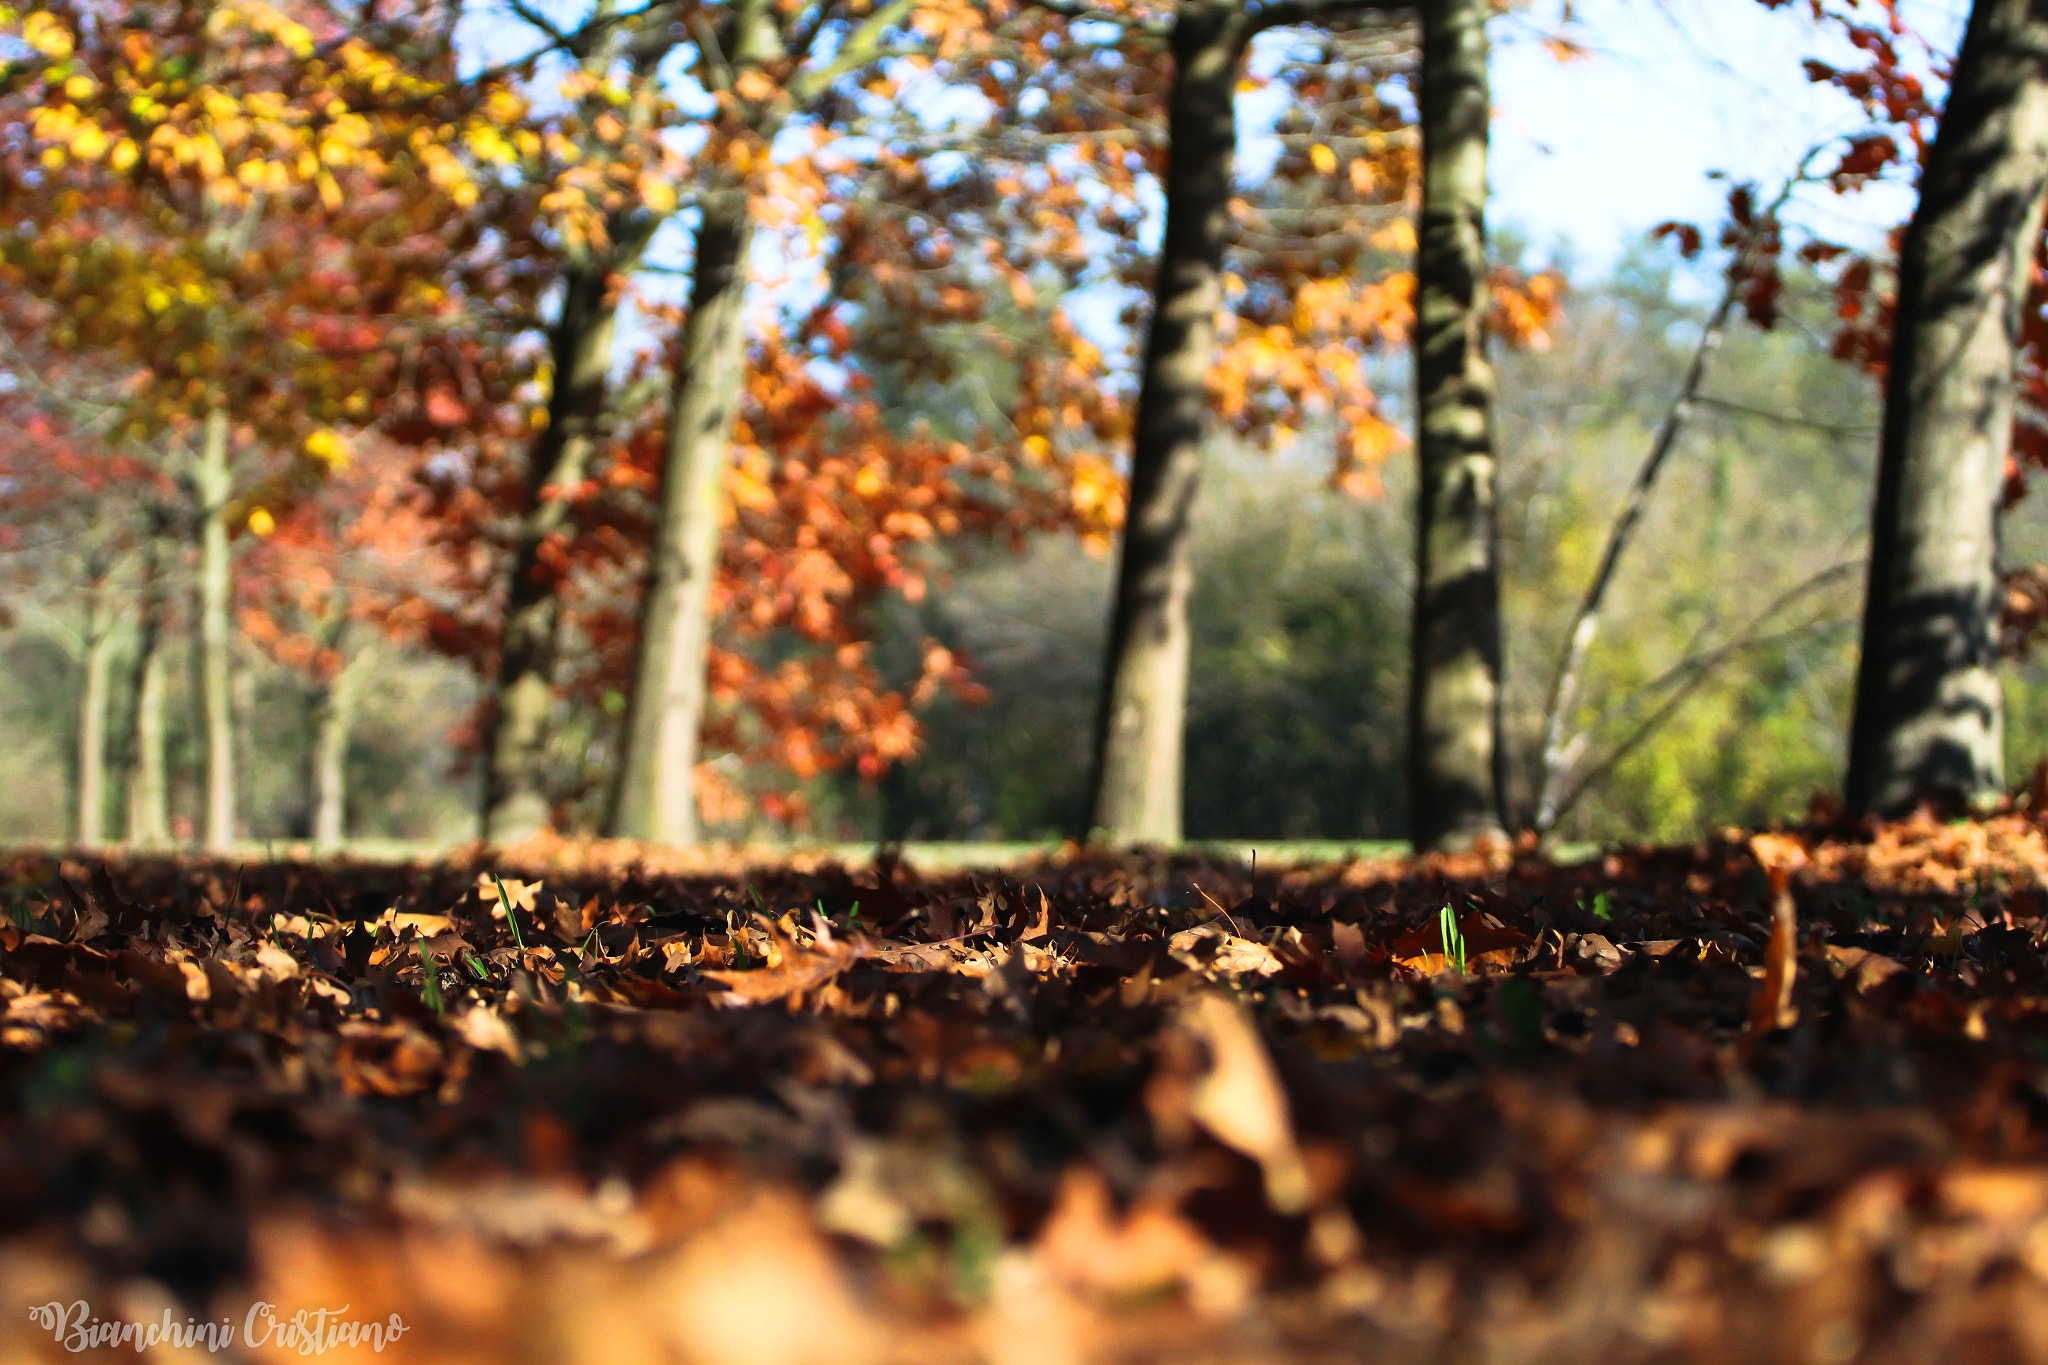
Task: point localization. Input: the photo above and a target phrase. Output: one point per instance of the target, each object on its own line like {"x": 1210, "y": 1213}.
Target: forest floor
{"x": 569, "y": 1105}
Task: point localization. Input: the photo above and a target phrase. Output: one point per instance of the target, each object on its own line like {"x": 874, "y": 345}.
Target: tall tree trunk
{"x": 1135, "y": 789}
{"x": 334, "y": 714}
{"x": 1929, "y": 714}
{"x": 148, "y": 797}
{"x": 149, "y": 786}
{"x": 216, "y": 586}
{"x": 1454, "y": 772}
{"x": 580, "y": 346}
{"x": 92, "y": 723}
{"x": 656, "y": 795}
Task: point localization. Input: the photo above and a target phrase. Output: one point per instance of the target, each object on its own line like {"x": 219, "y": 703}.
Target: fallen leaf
{"x": 1239, "y": 1100}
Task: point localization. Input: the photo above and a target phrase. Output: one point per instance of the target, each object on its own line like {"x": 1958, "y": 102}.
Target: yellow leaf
{"x": 88, "y": 142}
{"x": 748, "y": 490}
{"x": 124, "y": 155}
{"x": 261, "y": 523}
{"x": 1322, "y": 158}
{"x": 42, "y": 32}
{"x": 327, "y": 448}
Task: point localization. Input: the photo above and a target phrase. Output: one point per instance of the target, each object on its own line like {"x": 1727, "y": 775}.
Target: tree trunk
{"x": 1135, "y": 790}
{"x": 656, "y": 797}
{"x": 1929, "y": 715}
{"x": 149, "y": 817}
{"x": 216, "y": 586}
{"x": 580, "y": 345}
{"x": 334, "y": 713}
{"x": 149, "y": 787}
{"x": 92, "y": 727}
{"x": 1454, "y": 775}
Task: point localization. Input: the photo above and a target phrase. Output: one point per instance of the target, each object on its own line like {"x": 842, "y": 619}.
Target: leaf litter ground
{"x": 569, "y": 1107}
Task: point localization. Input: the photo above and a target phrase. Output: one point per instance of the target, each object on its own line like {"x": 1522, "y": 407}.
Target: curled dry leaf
{"x": 1771, "y": 1008}
{"x": 799, "y": 969}
{"x": 1088, "y": 1244}
{"x": 1240, "y": 1101}
{"x": 484, "y": 1029}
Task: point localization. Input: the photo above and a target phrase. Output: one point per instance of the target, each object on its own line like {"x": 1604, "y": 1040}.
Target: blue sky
{"x": 1594, "y": 153}
{"x": 1599, "y": 151}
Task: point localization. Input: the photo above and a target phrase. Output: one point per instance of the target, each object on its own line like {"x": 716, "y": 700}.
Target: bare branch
{"x": 1586, "y": 621}
{"x": 575, "y": 41}
{"x": 538, "y": 20}
{"x": 1287, "y": 13}
{"x": 707, "y": 47}
{"x": 1786, "y": 419}
{"x": 1691, "y": 673}
{"x": 863, "y": 47}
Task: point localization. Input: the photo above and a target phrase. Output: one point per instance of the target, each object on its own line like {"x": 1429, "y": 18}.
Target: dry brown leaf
{"x": 1240, "y": 1101}
{"x": 484, "y": 1029}
{"x": 1087, "y": 1244}
{"x": 1771, "y": 1006}
{"x": 799, "y": 970}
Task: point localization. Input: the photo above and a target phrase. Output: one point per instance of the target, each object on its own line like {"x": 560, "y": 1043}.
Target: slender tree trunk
{"x": 1135, "y": 790}
{"x": 580, "y": 345}
{"x": 92, "y": 725}
{"x": 216, "y": 586}
{"x": 1454, "y": 777}
{"x": 149, "y": 786}
{"x": 334, "y": 714}
{"x": 1929, "y": 714}
{"x": 656, "y": 797}
{"x": 149, "y": 818}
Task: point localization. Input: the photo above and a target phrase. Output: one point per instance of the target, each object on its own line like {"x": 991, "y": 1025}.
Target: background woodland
{"x": 362, "y": 365}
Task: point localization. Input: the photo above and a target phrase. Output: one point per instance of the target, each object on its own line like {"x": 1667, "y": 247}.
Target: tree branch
{"x": 1080, "y": 12}
{"x": 538, "y": 20}
{"x": 1785, "y": 419}
{"x": 1287, "y": 13}
{"x": 1564, "y": 689}
{"x": 863, "y": 47}
{"x": 707, "y": 47}
{"x": 575, "y": 42}
{"x": 1688, "y": 675}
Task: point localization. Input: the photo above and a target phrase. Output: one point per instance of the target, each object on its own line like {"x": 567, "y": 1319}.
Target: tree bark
{"x": 334, "y": 714}
{"x": 1929, "y": 714}
{"x": 1455, "y": 758}
{"x": 216, "y": 586}
{"x": 149, "y": 787}
{"x": 656, "y": 795}
{"x": 92, "y": 725}
{"x": 1135, "y": 787}
{"x": 579, "y": 344}
{"x": 149, "y": 816}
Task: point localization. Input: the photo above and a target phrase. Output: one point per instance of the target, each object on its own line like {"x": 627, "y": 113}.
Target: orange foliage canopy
{"x": 330, "y": 237}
